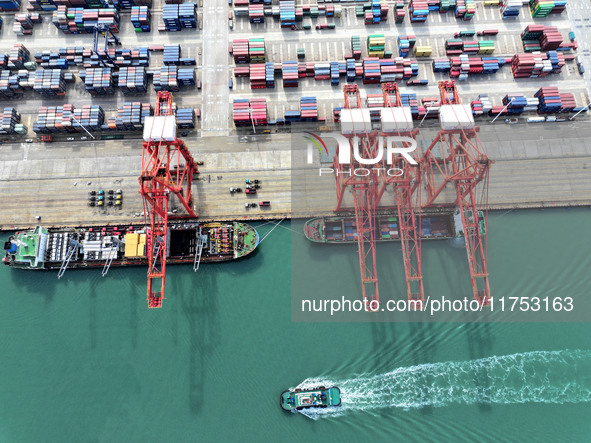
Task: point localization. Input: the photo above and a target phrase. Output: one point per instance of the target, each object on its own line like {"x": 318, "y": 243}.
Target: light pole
{"x": 584, "y": 109}
{"x": 81, "y": 125}
{"x": 425, "y": 116}
{"x": 502, "y": 110}
{"x": 251, "y": 120}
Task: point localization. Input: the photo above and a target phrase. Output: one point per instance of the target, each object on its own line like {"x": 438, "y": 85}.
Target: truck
{"x": 464, "y": 34}
{"x": 46, "y": 138}
{"x": 417, "y": 82}
{"x": 488, "y": 32}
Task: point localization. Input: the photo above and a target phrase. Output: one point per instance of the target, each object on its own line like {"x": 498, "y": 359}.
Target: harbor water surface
{"x": 84, "y": 359}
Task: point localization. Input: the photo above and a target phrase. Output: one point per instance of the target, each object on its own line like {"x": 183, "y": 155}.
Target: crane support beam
{"x": 365, "y": 199}
{"x": 455, "y": 157}
{"x": 168, "y": 169}
{"x": 407, "y": 192}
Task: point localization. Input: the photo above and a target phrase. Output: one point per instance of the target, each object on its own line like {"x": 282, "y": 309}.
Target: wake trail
{"x": 532, "y": 377}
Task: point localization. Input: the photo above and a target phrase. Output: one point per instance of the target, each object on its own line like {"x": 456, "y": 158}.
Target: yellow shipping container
{"x": 130, "y": 249}
{"x": 491, "y": 2}
{"x": 131, "y": 238}
{"x": 141, "y": 250}
{"x": 486, "y": 51}
{"x": 423, "y": 51}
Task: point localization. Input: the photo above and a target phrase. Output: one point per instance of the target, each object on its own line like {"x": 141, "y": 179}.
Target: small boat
{"x": 320, "y": 397}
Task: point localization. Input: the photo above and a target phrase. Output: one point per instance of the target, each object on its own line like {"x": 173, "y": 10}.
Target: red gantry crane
{"x": 364, "y": 187}
{"x": 456, "y": 156}
{"x": 167, "y": 169}
{"x": 397, "y": 121}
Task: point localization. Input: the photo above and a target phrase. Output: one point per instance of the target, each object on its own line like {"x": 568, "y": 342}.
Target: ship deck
{"x": 28, "y": 248}
{"x": 250, "y": 241}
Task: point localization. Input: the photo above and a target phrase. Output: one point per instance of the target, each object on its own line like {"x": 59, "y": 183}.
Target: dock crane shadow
{"x": 423, "y": 352}
{"x": 480, "y": 345}
{"x": 133, "y": 314}
{"x": 384, "y": 339}
{"x": 42, "y": 283}
{"x": 325, "y": 252}
{"x": 455, "y": 265}
{"x": 92, "y": 315}
{"x": 200, "y": 307}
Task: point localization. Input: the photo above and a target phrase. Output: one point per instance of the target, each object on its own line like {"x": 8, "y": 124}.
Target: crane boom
{"x": 167, "y": 170}
{"x": 407, "y": 192}
{"x": 365, "y": 194}
{"x": 456, "y": 156}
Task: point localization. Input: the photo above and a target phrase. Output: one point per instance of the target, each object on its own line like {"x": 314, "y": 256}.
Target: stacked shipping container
{"x": 308, "y": 109}
{"x": 49, "y": 82}
{"x": 248, "y": 112}
{"x": 132, "y": 80}
{"x": 177, "y": 17}
{"x": 22, "y": 25}
{"x": 290, "y": 74}
{"x": 376, "y": 45}
{"x": 10, "y": 122}
{"x": 418, "y": 10}
{"x": 172, "y": 78}
{"x": 80, "y": 21}
{"x": 540, "y": 37}
{"x": 185, "y": 118}
{"x": 552, "y": 101}
{"x": 405, "y": 44}
{"x": 98, "y": 81}
{"x": 140, "y": 18}
{"x": 130, "y": 117}
{"x": 356, "y": 47}
{"x": 510, "y": 8}
{"x": 543, "y": 8}
{"x": 536, "y": 64}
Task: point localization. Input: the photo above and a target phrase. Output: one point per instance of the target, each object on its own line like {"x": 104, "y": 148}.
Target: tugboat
{"x": 320, "y": 397}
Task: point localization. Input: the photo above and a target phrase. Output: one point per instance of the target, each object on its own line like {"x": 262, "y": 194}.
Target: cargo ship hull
{"x": 344, "y": 229}
{"x": 93, "y": 246}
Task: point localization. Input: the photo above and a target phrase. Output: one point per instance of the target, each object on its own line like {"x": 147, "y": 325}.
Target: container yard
{"x": 275, "y": 69}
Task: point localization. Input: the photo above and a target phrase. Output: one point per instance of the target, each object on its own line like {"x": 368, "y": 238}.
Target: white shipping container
{"x": 355, "y": 121}
{"x": 396, "y": 119}
{"x": 160, "y": 128}
{"x": 456, "y": 117}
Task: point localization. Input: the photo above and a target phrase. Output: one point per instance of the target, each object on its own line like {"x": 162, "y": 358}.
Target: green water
{"x": 84, "y": 360}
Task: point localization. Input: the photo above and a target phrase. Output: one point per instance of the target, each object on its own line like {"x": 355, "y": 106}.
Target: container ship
{"x": 93, "y": 247}
{"x": 344, "y": 229}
